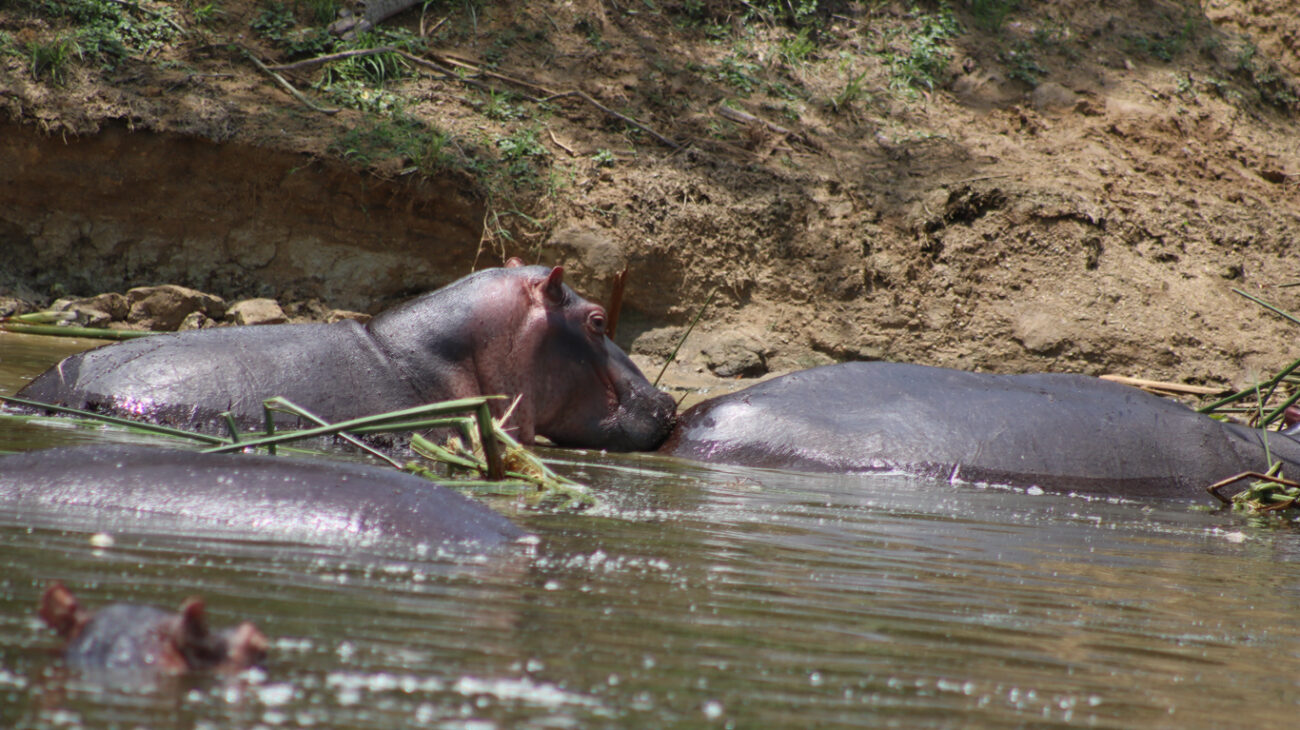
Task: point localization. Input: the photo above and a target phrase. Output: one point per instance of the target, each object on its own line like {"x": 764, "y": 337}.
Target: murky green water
{"x": 703, "y": 598}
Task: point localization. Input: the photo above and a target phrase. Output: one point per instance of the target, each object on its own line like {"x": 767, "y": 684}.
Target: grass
{"x": 97, "y": 31}
{"x": 51, "y": 59}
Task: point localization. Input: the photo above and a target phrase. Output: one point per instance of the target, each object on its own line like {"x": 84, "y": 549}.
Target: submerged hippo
{"x": 126, "y": 636}
{"x": 516, "y": 331}
{"x": 269, "y": 497}
{"x": 1058, "y": 432}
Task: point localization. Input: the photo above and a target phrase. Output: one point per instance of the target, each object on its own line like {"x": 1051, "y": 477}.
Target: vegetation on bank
{"x": 850, "y": 63}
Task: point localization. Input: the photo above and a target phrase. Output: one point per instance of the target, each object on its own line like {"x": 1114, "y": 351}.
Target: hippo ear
{"x": 246, "y": 646}
{"x": 61, "y": 611}
{"x": 194, "y": 621}
{"x": 514, "y": 262}
{"x": 554, "y": 286}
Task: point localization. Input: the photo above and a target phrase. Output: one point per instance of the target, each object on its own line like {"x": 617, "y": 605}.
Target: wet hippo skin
{"x": 281, "y": 497}
{"x": 1055, "y": 431}
{"x": 517, "y": 331}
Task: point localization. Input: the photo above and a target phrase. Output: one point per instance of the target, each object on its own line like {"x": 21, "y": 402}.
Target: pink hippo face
{"x": 521, "y": 332}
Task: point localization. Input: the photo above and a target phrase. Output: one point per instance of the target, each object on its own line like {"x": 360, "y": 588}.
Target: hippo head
{"x": 521, "y": 332}
{"x": 587, "y": 392}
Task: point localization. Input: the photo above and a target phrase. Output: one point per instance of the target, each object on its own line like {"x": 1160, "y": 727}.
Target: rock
{"x": 195, "y": 321}
{"x": 735, "y": 355}
{"x": 82, "y": 314}
{"x": 165, "y": 307}
{"x": 658, "y": 342}
{"x": 10, "y": 306}
{"x": 589, "y": 256}
{"x": 1051, "y": 96}
{"x": 110, "y": 303}
{"x": 338, "y": 315}
{"x": 1039, "y": 332}
{"x": 256, "y": 311}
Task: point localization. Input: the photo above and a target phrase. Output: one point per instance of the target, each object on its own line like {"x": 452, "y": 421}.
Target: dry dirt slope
{"x": 1060, "y": 187}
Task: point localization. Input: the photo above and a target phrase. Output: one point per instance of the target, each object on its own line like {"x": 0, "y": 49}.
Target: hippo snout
{"x": 645, "y": 419}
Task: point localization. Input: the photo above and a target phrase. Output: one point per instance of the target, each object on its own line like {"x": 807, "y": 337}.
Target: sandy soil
{"x": 1083, "y": 188}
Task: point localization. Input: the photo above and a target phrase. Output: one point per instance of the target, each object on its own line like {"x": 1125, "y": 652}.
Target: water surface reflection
{"x": 707, "y": 597}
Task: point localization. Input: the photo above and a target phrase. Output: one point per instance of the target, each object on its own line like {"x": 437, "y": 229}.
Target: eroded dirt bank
{"x": 118, "y": 209}
{"x": 1074, "y": 189}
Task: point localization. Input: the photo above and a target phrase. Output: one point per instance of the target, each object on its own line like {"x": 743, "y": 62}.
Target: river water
{"x": 697, "y": 597}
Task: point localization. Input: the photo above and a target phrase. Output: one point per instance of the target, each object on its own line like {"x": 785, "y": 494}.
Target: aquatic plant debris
{"x": 1270, "y": 492}
{"x": 503, "y": 467}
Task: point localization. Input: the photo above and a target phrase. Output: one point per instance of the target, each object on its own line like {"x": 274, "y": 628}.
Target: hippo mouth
{"x": 642, "y": 422}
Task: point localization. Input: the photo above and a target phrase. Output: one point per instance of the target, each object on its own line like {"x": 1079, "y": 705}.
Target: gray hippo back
{"x": 271, "y": 497}
{"x": 1055, "y": 431}
{"x": 516, "y": 331}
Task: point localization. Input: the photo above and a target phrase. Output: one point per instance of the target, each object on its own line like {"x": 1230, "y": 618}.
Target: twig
{"x": 154, "y": 13}
{"x": 742, "y": 117}
{"x": 1215, "y": 487}
{"x": 287, "y": 86}
{"x": 453, "y": 61}
{"x": 331, "y": 57}
{"x": 560, "y": 144}
{"x": 425, "y": 33}
{"x": 615, "y": 303}
{"x": 582, "y": 95}
{"x": 447, "y": 72}
{"x": 1163, "y": 386}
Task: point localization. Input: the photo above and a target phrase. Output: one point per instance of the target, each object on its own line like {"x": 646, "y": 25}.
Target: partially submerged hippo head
{"x": 521, "y": 330}
{"x": 132, "y": 637}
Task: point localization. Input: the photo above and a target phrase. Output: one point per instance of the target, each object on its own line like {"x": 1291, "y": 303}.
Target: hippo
{"x": 270, "y": 497}
{"x": 518, "y": 331}
{"x": 1057, "y": 432}
{"x": 126, "y": 636}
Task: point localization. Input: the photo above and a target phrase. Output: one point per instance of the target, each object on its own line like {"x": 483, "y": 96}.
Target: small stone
{"x": 165, "y": 307}
{"x": 11, "y": 306}
{"x": 338, "y": 315}
{"x": 1051, "y": 96}
{"x": 194, "y": 321}
{"x": 82, "y": 314}
{"x": 256, "y": 311}
{"x": 735, "y": 356}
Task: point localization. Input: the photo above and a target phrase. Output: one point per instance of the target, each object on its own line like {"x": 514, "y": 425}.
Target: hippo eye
{"x": 596, "y": 321}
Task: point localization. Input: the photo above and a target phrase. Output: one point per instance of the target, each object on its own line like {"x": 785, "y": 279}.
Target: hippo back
{"x": 1055, "y": 431}
{"x": 272, "y": 497}
{"x": 186, "y": 379}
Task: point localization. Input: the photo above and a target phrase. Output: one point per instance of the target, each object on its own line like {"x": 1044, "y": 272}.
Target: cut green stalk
{"x": 286, "y": 406}
{"x": 97, "y": 333}
{"x": 1272, "y": 308}
{"x": 139, "y": 425}
{"x": 685, "y": 334}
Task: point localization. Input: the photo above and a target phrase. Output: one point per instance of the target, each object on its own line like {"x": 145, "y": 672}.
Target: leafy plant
{"x": 1021, "y": 64}
{"x": 51, "y": 58}
{"x": 927, "y": 57}
{"x": 795, "y": 49}
{"x": 207, "y": 13}
{"x": 739, "y": 74}
{"x": 853, "y": 90}
{"x": 991, "y": 14}
{"x": 273, "y": 21}
{"x": 323, "y": 12}
{"x": 604, "y": 158}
